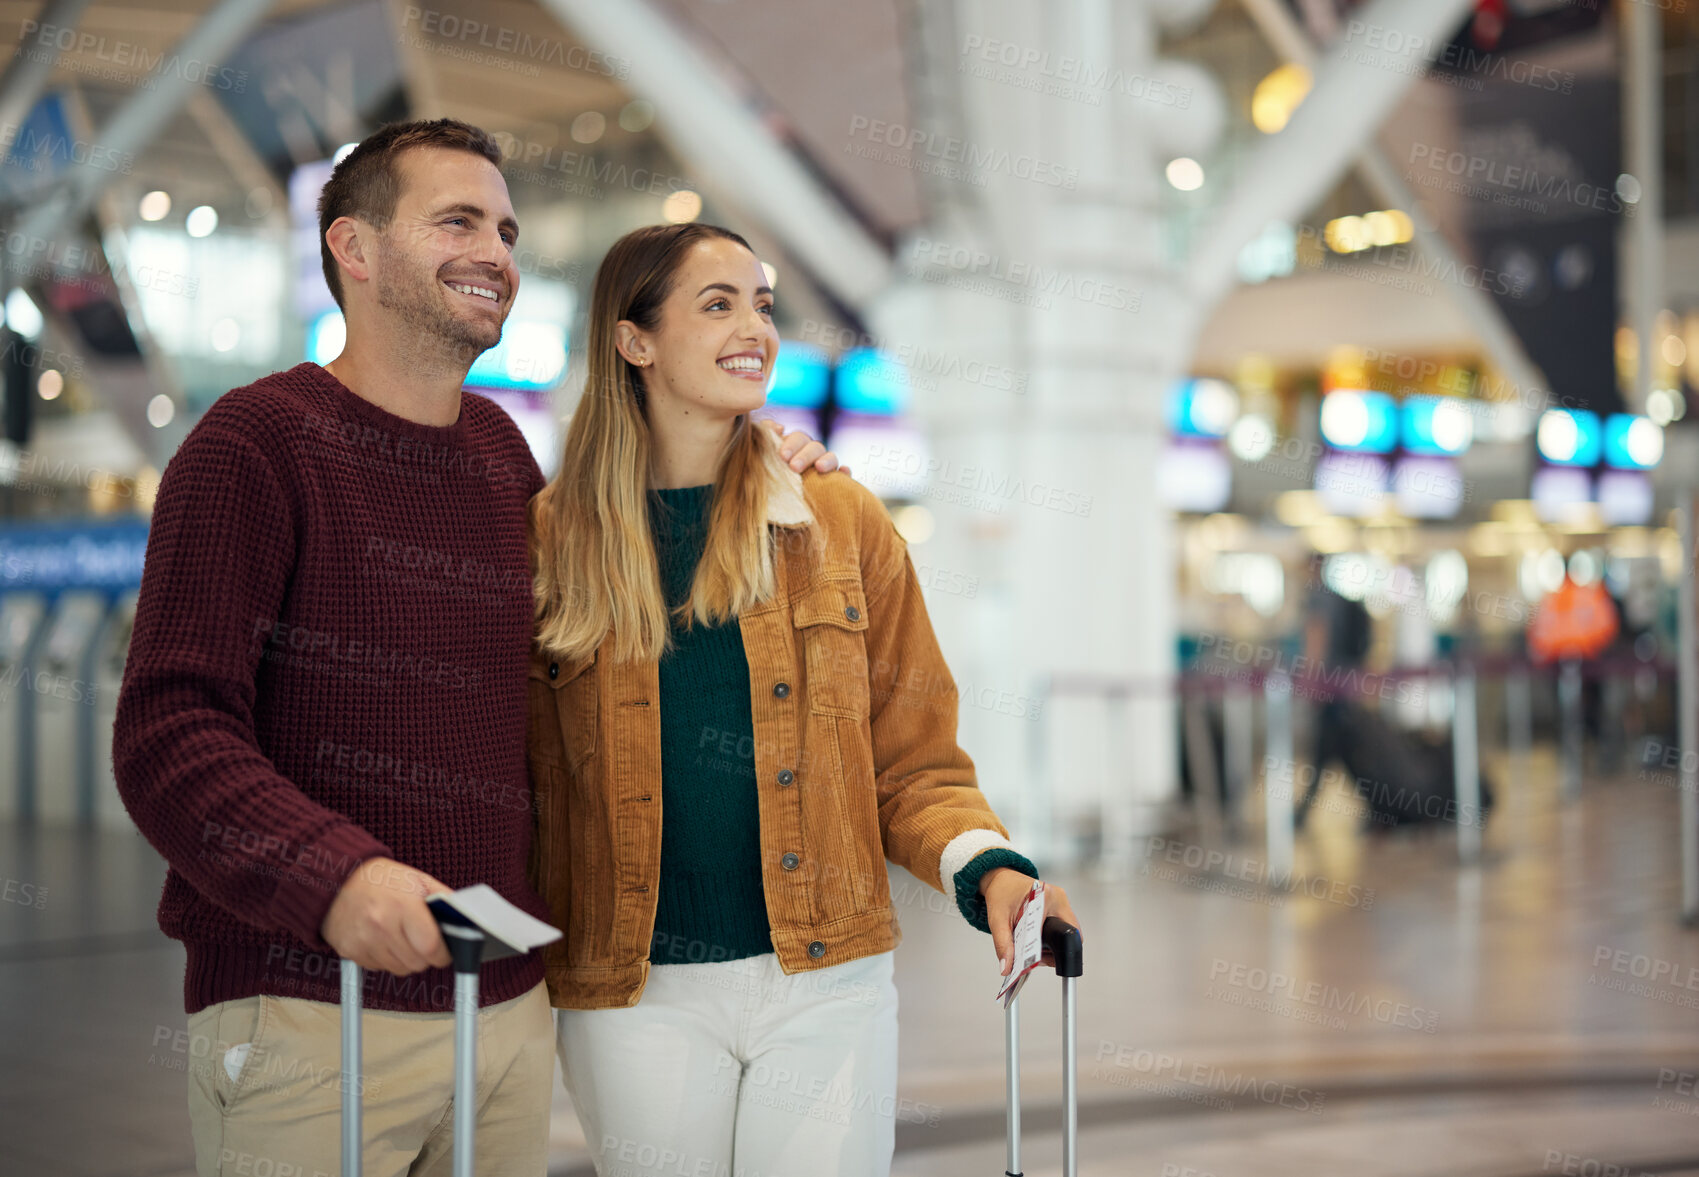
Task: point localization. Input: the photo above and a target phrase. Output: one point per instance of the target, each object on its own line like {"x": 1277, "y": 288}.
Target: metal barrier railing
{"x": 1238, "y": 691}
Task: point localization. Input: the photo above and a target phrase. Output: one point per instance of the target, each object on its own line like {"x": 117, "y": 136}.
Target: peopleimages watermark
{"x": 1403, "y": 267}
{"x": 950, "y": 157}
{"x": 816, "y": 1097}
{"x": 23, "y": 894}
{"x": 1173, "y": 1076}
{"x": 1282, "y": 778}
{"x": 121, "y": 60}
{"x": 1677, "y": 1083}
{"x": 86, "y": 267}
{"x": 40, "y": 682}
{"x": 1165, "y": 856}
{"x": 1071, "y": 78}
{"x": 1640, "y": 975}
{"x": 1275, "y": 992}
{"x": 904, "y": 470}
{"x": 1570, "y": 1164}
{"x": 35, "y": 149}
{"x": 1492, "y": 178}
{"x": 580, "y": 173}
{"x": 1309, "y": 676}
{"x": 969, "y": 268}
{"x": 1387, "y": 48}
{"x": 502, "y": 47}
{"x": 256, "y": 1067}
{"x": 921, "y": 367}
{"x": 1666, "y": 764}
{"x": 325, "y": 651}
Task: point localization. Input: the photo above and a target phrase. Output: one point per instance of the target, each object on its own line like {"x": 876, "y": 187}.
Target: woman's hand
{"x": 802, "y": 451}
{"x": 1003, "y": 889}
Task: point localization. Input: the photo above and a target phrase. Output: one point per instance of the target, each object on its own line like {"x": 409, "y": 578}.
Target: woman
{"x": 738, "y": 712}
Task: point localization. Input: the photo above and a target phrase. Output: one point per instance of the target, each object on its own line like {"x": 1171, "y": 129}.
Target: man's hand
{"x": 801, "y": 450}
{"x": 1003, "y": 889}
{"x": 379, "y": 919}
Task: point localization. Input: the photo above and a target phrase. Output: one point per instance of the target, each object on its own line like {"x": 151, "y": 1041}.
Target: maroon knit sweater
{"x": 329, "y": 665}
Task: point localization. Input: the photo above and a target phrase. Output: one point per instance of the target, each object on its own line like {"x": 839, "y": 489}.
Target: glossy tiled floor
{"x": 1491, "y": 1021}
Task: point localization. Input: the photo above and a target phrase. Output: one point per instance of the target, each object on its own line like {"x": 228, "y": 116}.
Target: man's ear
{"x": 346, "y": 239}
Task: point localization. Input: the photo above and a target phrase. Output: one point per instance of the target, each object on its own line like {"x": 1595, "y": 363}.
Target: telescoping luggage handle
{"x": 1062, "y": 940}
{"x": 466, "y": 948}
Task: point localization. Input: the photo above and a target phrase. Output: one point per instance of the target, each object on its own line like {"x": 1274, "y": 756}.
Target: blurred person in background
{"x": 323, "y": 713}
{"x": 1337, "y": 635}
{"x": 739, "y": 712}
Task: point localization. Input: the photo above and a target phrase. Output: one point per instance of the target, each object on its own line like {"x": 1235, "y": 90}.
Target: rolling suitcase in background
{"x": 1062, "y": 940}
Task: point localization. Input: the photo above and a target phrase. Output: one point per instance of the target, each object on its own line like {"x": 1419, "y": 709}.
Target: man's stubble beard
{"x": 422, "y": 315}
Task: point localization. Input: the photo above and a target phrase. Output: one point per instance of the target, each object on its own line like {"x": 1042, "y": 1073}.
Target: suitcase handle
{"x": 1067, "y": 950}
{"x": 1062, "y": 940}
{"x": 466, "y": 949}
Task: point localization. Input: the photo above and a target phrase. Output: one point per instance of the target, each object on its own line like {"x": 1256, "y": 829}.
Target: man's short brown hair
{"x": 367, "y": 183}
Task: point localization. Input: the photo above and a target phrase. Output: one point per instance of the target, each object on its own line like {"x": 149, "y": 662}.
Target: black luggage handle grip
{"x": 1066, "y": 948}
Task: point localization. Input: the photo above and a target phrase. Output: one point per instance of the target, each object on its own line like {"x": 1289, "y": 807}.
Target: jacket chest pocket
{"x": 564, "y": 710}
{"x": 831, "y": 619}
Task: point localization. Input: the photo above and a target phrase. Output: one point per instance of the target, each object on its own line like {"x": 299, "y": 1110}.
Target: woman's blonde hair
{"x": 592, "y": 553}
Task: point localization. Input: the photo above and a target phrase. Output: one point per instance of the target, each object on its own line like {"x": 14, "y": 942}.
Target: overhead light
{"x": 682, "y": 206}
{"x": 160, "y": 410}
{"x": 225, "y": 334}
{"x": 1354, "y": 234}
{"x": 1568, "y": 437}
{"x": 51, "y": 384}
{"x": 1185, "y": 173}
{"x": 1359, "y": 420}
{"x": 636, "y": 115}
{"x": 1277, "y": 96}
{"x": 1203, "y": 407}
{"x": 1633, "y": 443}
{"x": 155, "y": 206}
{"x": 22, "y": 315}
{"x": 201, "y": 221}
{"x": 914, "y": 523}
{"x": 1251, "y": 438}
{"x": 589, "y": 126}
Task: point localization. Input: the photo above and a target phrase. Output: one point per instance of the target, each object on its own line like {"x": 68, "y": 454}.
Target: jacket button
{"x": 789, "y": 861}
{"x": 816, "y": 950}
{"x": 781, "y": 690}
{"x": 786, "y": 776}
{"x": 853, "y": 613}
{"x": 554, "y": 670}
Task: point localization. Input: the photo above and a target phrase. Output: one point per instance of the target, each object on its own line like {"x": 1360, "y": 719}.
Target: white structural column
{"x": 1643, "y": 78}
{"x": 1048, "y": 266}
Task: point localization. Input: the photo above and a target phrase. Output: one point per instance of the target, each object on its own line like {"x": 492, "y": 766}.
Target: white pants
{"x": 734, "y": 1069}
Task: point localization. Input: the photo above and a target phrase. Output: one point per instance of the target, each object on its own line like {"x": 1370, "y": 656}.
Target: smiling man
{"x": 323, "y": 712}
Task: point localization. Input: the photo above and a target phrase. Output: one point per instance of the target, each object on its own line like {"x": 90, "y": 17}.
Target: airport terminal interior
{"x": 1285, "y": 407}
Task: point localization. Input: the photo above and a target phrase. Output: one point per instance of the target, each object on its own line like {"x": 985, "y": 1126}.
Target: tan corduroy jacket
{"x": 855, "y": 755}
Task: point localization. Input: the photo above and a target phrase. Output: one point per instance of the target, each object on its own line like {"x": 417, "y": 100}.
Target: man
{"x": 323, "y": 713}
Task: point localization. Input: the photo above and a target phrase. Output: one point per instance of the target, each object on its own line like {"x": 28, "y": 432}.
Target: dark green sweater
{"x": 710, "y": 905}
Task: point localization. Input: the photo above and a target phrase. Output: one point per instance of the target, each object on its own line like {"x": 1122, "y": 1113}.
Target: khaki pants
{"x": 281, "y": 1113}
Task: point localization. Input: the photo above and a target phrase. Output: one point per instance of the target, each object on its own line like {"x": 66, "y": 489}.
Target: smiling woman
{"x": 694, "y": 592}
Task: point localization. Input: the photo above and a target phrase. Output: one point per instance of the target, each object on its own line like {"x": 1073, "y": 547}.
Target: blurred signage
{"x": 106, "y": 556}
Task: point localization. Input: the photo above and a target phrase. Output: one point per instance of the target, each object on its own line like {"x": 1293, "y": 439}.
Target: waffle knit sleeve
{"x": 188, "y": 764}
